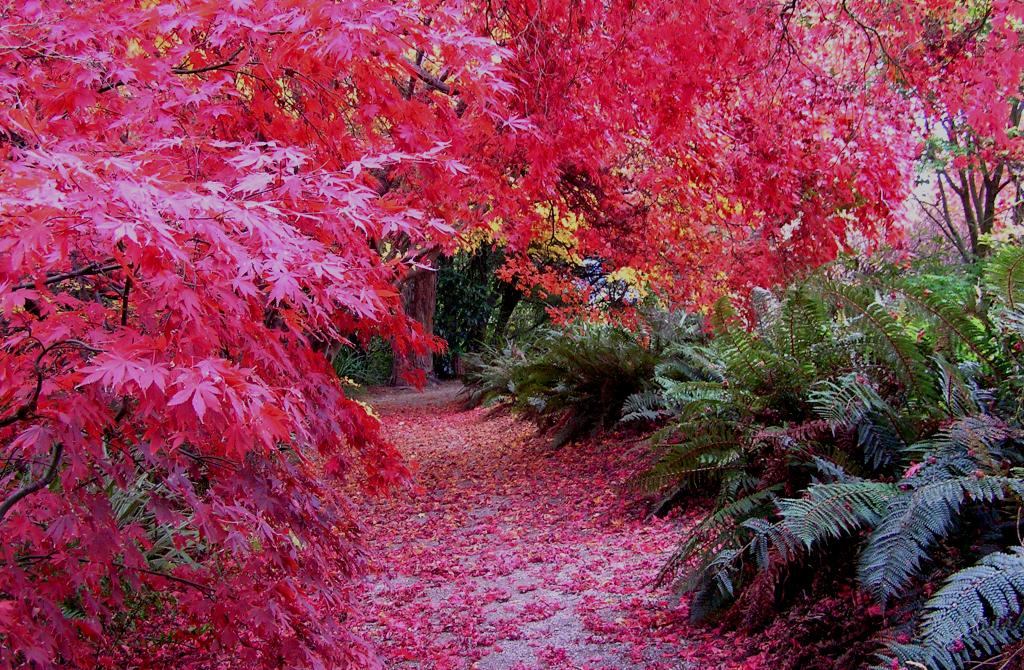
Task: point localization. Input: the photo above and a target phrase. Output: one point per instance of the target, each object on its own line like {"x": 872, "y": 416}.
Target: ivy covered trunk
{"x": 419, "y": 299}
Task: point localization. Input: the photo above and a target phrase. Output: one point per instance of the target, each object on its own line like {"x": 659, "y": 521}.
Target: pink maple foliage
{"x": 188, "y": 219}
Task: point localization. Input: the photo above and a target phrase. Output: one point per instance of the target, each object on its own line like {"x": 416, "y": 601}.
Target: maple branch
{"x": 430, "y": 80}
{"x": 42, "y": 482}
{"x": 871, "y": 31}
{"x": 30, "y": 405}
{"x": 35, "y": 558}
{"x": 207, "y": 591}
{"x": 411, "y": 88}
{"x": 124, "y": 301}
{"x": 944, "y": 223}
{"x": 439, "y": 85}
{"x": 209, "y": 68}
{"x": 90, "y": 269}
{"x": 180, "y": 70}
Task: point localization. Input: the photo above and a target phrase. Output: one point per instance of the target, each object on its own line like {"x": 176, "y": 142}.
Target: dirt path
{"x": 506, "y": 557}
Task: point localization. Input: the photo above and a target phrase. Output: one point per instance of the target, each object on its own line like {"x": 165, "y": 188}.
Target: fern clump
{"x": 573, "y": 381}
{"x": 873, "y": 422}
{"x": 860, "y": 426}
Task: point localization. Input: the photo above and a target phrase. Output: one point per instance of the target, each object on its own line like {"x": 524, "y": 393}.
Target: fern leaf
{"x": 952, "y": 319}
{"x": 876, "y": 322}
{"x": 1004, "y": 275}
{"x": 974, "y": 615}
{"x": 830, "y": 511}
{"x": 911, "y": 525}
{"x": 718, "y": 531}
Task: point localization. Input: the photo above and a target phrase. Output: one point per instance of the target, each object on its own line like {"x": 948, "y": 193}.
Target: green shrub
{"x": 368, "y": 365}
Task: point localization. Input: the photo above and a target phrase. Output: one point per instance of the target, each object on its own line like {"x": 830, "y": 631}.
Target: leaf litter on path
{"x": 506, "y": 556}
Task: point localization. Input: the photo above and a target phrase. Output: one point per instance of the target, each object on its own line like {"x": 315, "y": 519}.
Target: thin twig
{"x": 29, "y": 407}
{"x": 209, "y": 68}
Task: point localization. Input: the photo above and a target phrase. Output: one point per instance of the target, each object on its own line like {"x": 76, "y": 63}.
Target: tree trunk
{"x": 419, "y": 299}
{"x": 510, "y": 297}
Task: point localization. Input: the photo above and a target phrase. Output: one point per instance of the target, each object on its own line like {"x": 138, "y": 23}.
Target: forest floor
{"x": 507, "y": 556}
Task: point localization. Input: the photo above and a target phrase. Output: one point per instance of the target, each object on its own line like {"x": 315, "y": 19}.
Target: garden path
{"x": 506, "y": 556}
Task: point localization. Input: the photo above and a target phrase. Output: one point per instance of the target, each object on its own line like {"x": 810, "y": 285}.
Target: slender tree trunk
{"x": 419, "y": 298}
{"x": 510, "y": 297}
{"x": 1018, "y": 204}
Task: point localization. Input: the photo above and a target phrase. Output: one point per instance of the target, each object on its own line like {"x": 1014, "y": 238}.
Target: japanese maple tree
{"x": 716, "y": 146}
{"x": 195, "y": 200}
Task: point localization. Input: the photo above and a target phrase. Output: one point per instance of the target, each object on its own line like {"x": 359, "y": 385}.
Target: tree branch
{"x": 207, "y": 591}
{"x": 124, "y": 301}
{"x": 209, "y": 68}
{"x": 26, "y": 410}
{"x": 41, "y": 483}
{"x": 90, "y": 269}
{"x": 439, "y": 85}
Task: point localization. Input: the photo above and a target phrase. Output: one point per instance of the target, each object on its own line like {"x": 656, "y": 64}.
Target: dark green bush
{"x": 368, "y": 365}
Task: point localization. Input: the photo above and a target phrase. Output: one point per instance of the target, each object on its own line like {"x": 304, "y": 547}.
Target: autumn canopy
{"x": 198, "y": 199}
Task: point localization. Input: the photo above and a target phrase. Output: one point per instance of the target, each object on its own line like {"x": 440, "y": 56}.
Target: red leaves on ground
{"x": 510, "y": 557}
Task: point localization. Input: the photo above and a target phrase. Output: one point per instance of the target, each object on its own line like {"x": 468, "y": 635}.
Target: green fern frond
{"x": 981, "y": 439}
{"x": 801, "y": 325}
{"x": 649, "y": 405}
{"x": 889, "y": 335}
{"x": 772, "y": 541}
{"x": 959, "y": 396}
{"x": 710, "y": 448}
{"x": 845, "y": 402}
{"x": 913, "y": 522}
{"x": 953, "y": 319}
{"x": 832, "y": 511}
{"x": 833, "y": 471}
{"x": 719, "y": 531}
{"x": 1004, "y": 275}
{"x": 978, "y": 612}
